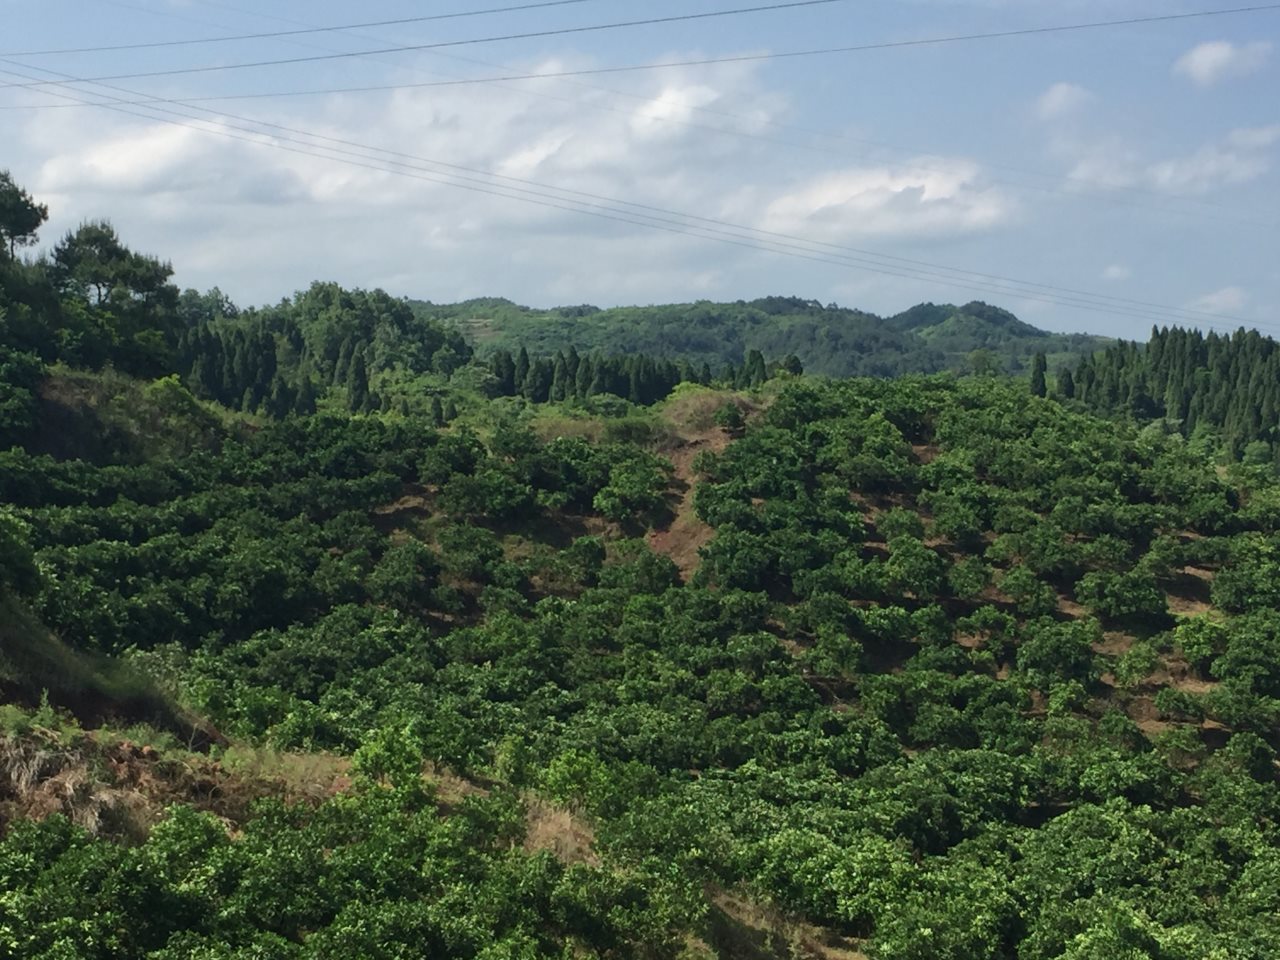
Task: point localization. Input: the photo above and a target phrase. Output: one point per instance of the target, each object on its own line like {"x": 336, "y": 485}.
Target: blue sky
{"x": 1130, "y": 168}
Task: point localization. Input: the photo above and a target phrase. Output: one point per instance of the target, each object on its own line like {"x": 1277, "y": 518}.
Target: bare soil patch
{"x": 684, "y": 535}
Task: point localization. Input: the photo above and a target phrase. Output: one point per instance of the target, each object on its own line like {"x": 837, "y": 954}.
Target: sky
{"x": 1097, "y": 180}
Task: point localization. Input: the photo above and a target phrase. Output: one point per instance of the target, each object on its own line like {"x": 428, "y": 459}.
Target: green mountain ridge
{"x": 828, "y": 340}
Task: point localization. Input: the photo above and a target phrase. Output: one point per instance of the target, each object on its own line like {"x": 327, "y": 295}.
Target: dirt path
{"x": 681, "y": 538}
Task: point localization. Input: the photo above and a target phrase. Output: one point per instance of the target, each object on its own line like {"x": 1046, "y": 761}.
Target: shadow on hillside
{"x": 94, "y": 689}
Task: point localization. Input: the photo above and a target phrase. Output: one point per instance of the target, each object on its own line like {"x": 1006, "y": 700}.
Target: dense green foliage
{"x": 741, "y": 730}
{"x": 829, "y": 340}
{"x": 1227, "y": 386}
{"x": 962, "y": 671}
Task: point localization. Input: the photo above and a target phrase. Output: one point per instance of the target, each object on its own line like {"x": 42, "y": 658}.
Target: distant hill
{"x": 830, "y": 340}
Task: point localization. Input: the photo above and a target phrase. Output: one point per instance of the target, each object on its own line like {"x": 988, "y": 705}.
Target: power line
{"x": 742, "y": 58}
{"x": 1072, "y": 179}
{"x": 404, "y": 21}
{"x": 441, "y": 44}
{"x": 702, "y": 227}
{"x": 783, "y": 244}
{"x": 919, "y": 160}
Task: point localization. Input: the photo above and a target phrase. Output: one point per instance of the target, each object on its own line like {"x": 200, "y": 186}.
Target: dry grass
{"x": 450, "y": 788}
{"x": 744, "y": 929}
{"x": 298, "y": 777}
{"x": 560, "y": 832}
{"x": 118, "y": 788}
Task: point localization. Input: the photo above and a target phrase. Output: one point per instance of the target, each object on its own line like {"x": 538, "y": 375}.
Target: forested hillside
{"x": 322, "y": 636}
{"x": 1224, "y": 386}
{"x": 829, "y": 340}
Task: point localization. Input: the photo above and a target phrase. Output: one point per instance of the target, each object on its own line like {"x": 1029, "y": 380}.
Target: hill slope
{"x": 828, "y": 340}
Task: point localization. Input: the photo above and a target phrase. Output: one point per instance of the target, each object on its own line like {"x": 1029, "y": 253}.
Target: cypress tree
{"x": 358, "y": 385}
{"x": 1066, "y": 385}
{"x": 280, "y": 398}
{"x": 450, "y": 411}
{"x": 537, "y": 385}
{"x": 242, "y": 370}
{"x": 1038, "y": 367}
{"x": 437, "y": 412}
{"x": 305, "y": 403}
{"x": 521, "y": 373}
{"x": 560, "y": 380}
{"x": 201, "y": 377}
{"x": 342, "y": 368}
{"x": 599, "y": 379}
{"x": 582, "y": 379}
{"x": 504, "y": 369}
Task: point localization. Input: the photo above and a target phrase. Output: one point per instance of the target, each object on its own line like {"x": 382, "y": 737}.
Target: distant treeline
{"x": 278, "y": 359}
{"x": 828, "y": 340}
{"x": 638, "y": 378}
{"x": 1229, "y": 384}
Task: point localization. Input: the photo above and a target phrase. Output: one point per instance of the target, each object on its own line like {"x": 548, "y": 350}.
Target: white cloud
{"x": 1117, "y": 271}
{"x": 933, "y": 197}
{"x": 261, "y": 222}
{"x": 1217, "y": 60}
{"x": 1226, "y": 300}
{"x": 1061, "y": 99}
{"x": 1241, "y": 156}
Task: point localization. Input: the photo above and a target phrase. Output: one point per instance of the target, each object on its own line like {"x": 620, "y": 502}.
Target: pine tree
{"x": 450, "y": 411}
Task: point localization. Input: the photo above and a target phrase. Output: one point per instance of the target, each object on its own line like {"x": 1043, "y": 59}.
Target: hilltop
{"x": 829, "y": 340}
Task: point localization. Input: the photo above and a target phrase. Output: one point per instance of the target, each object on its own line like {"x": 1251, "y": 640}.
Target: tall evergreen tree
{"x": 560, "y": 380}
{"x": 305, "y": 403}
{"x": 582, "y": 379}
{"x": 1066, "y": 385}
{"x": 358, "y": 385}
{"x": 1039, "y": 365}
{"x": 521, "y": 372}
{"x": 504, "y": 370}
